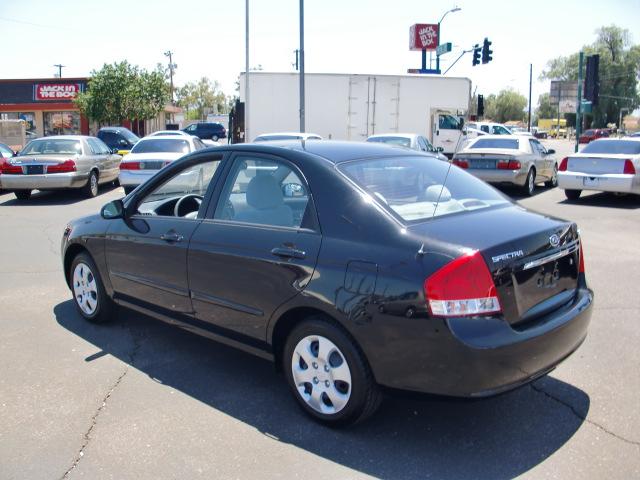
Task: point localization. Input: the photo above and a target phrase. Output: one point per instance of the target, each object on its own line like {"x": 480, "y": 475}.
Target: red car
{"x": 593, "y": 134}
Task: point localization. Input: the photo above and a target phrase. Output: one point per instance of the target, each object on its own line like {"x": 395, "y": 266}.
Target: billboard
{"x": 56, "y": 91}
{"x": 565, "y": 94}
{"x": 423, "y": 36}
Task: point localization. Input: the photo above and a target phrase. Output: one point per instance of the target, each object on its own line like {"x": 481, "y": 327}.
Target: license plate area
{"x": 483, "y": 163}
{"x": 151, "y": 165}
{"x": 34, "y": 169}
{"x": 590, "y": 181}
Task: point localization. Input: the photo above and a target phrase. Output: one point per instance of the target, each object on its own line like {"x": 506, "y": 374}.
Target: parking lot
{"x": 139, "y": 399}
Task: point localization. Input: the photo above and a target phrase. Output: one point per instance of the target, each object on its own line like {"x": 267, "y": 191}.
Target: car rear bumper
{"x": 515, "y": 177}
{"x": 614, "y": 182}
{"x": 43, "y": 182}
{"x": 131, "y": 178}
{"x": 471, "y": 357}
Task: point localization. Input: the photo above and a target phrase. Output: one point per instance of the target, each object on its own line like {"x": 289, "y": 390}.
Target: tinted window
{"x": 129, "y": 136}
{"x": 416, "y": 190}
{"x": 53, "y": 147}
{"x": 170, "y": 145}
{"x": 507, "y": 143}
{"x": 626, "y": 147}
{"x": 500, "y": 130}
{"x": 448, "y": 122}
{"x": 400, "y": 141}
{"x": 5, "y": 151}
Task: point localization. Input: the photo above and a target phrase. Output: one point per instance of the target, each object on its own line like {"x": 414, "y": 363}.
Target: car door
{"x": 111, "y": 161}
{"x": 541, "y": 163}
{"x": 98, "y": 157}
{"x": 147, "y": 253}
{"x": 256, "y": 250}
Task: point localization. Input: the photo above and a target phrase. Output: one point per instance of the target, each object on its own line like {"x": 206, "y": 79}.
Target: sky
{"x": 207, "y": 37}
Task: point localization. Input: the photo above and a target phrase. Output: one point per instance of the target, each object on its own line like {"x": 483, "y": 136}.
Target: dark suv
{"x": 118, "y": 137}
{"x": 207, "y": 130}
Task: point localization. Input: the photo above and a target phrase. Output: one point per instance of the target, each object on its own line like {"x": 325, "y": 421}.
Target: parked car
{"x": 490, "y": 128}
{"x": 411, "y": 141}
{"x": 605, "y": 165}
{"x": 6, "y": 151}
{"x": 207, "y": 130}
{"x": 151, "y": 154}
{"x": 59, "y": 162}
{"x": 540, "y": 133}
{"x": 169, "y": 132}
{"x": 270, "y": 137}
{"x": 352, "y": 265}
{"x": 511, "y": 160}
{"x": 520, "y": 131}
{"x": 593, "y": 134}
{"x": 119, "y": 138}
{"x": 636, "y": 134}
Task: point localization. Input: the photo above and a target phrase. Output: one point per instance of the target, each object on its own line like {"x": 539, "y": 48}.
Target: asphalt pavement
{"x": 141, "y": 399}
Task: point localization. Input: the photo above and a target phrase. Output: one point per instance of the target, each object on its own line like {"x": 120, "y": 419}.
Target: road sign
{"x": 443, "y": 48}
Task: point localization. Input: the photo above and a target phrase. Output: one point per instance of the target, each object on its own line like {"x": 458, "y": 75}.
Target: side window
{"x": 103, "y": 147}
{"x": 182, "y": 194}
{"x": 5, "y": 152}
{"x": 263, "y": 192}
{"x": 484, "y": 128}
{"x": 110, "y": 139}
{"x": 191, "y": 128}
{"x": 94, "y": 147}
{"x": 198, "y": 144}
{"x": 537, "y": 148}
{"x": 422, "y": 145}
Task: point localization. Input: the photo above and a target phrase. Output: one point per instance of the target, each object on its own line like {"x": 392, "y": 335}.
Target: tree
{"x": 199, "y": 98}
{"x": 122, "y": 91}
{"x": 545, "y": 108}
{"x": 507, "y": 105}
{"x": 619, "y": 71}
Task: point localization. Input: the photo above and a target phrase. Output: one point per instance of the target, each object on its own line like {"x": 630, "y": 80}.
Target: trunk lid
{"x": 533, "y": 259}
{"x": 597, "y": 164}
{"x": 486, "y": 160}
{"x": 37, "y": 164}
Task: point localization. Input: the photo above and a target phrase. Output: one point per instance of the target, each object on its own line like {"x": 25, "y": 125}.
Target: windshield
{"x": 510, "y": 144}
{"x": 161, "y": 145}
{"x": 52, "y": 147}
{"x": 416, "y": 190}
{"x": 626, "y": 147}
{"x": 131, "y": 137}
{"x": 401, "y": 141}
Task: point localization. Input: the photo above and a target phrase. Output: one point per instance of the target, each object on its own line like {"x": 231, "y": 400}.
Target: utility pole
{"x": 246, "y": 73}
{"x": 579, "y": 109}
{"x": 302, "y": 126}
{"x": 530, "y": 81}
{"x": 59, "y": 66}
{"x": 169, "y": 54}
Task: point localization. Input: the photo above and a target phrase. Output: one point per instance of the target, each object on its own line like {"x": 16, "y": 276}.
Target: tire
{"x": 128, "y": 189}
{"x": 572, "y": 194}
{"x": 554, "y": 178}
{"x": 91, "y": 188}
{"x": 116, "y": 182}
{"x": 330, "y": 400}
{"x": 214, "y": 138}
{"x": 530, "y": 183}
{"x": 88, "y": 291}
{"x": 22, "y": 194}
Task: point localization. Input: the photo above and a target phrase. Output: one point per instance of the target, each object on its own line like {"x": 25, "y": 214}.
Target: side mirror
{"x": 440, "y": 149}
{"x": 111, "y": 210}
{"x": 550, "y": 151}
{"x": 293, "y": 190}
{"x": 461, "y": 124}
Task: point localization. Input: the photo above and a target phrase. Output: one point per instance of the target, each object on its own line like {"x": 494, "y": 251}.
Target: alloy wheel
{"x": 85, "y": 289}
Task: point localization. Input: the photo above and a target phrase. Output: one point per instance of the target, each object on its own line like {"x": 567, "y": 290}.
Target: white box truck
{"x": 355, "y": 106}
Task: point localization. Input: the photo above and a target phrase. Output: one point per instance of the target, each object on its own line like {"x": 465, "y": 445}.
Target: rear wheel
{"x": 328, "y": 375}
{"x": 572, "y": 194}
{"x": 91, "y": 188}
{"x": 554, "y": 178}
{"x": 23, "y": 194}
{"x": 214, "y": 138}
{"x": 530, "y": 183}
{"x": 90, "y": 297}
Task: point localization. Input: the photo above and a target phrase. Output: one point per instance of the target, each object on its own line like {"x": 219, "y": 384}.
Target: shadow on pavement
{"x": 60, "y": 197}
{"x": 409, "y": 437}
{"x": 606, "y": 199}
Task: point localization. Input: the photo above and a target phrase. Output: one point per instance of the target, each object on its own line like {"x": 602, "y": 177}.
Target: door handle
{"x": 288, "y": 253}
{"x": 171, "y": 237}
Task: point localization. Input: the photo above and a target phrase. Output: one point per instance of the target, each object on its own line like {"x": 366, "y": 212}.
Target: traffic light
{"x": 476, "y": 55}
{"x": 480, "y": 106}
{"x": 592, "y": 82}
{"x": 486, "y": 52}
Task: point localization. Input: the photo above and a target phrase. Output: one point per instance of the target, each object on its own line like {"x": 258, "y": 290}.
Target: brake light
{"x": 9, "y": 168}
{"x": 130, "y": 166}
{"x": 581, "y": 264}
{"x": 463, "y": 287}
{"x": 461, "y": 163}
{"x": 629, "y": 169}
{"x": 508, "y": 165}
{"x": 563, "y": 164}
{"x": 64, "y": 167}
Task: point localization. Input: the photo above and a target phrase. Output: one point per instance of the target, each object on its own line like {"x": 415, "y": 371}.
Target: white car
{"x": 520, "y": 131}
{"x": 604, "y": 165}
{"x": 151, "y": 154}
{"x": 490, "y": 128}
{"x": 169, "y": 132}
{"x": 269, "y": 137}
{"x": 412, "y": 141}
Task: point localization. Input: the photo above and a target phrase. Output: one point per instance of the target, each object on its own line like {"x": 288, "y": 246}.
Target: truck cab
{"x": 447, "y": 131}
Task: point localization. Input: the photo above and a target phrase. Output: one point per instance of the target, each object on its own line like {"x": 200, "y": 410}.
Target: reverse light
{"x": 64, "y": 167}
{"x": 463, "y": 287}
{"x": 629, "y": 169}
{"x": 563, "y": 164}
{"x": 459, "y": 162}
{"x": 130, "y": 166}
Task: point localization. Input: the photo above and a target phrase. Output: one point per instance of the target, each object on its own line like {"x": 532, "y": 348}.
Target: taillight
{"x": 563, "y": 164}
{"x": 462, "y": 287}
{"x": 458, "y": 162}
{"x": 9, "y": 168}
{"x": 64, "y": 167}
{"x": 130, "y": 166}
{"x": 581, "y": 264}
{"x": 629, "y": 169}
{"x": 508, "y": 165}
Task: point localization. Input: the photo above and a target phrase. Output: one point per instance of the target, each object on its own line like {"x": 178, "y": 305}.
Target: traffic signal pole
{"x": 579, "y": 107}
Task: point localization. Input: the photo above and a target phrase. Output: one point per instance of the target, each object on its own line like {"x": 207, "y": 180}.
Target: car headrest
{"x": 435, "y": 193}
{"x": 263, "y": 192}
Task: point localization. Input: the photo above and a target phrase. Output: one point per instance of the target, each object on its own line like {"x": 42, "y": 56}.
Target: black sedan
{"x": 353, "y": 266}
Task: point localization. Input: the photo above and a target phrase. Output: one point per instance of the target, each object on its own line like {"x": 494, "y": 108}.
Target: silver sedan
{"x": 60, "y": 162}
{"x": 509, "y": 159}
{"x": 409, "y": 140}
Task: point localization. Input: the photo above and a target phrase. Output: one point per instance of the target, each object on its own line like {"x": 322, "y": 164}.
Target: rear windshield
{"x": 161, "y": 145}
{"x": 626, "y": 147}
{"x": 401, "y": 141}
{"x": 416, "y": 189}
{"x": 506, "y": 143}
{"x": 270, "y": 138}
{"x": 52, "y": 147}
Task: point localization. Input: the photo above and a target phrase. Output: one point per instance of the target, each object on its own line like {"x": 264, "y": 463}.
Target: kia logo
{"x": 554, "y": 240}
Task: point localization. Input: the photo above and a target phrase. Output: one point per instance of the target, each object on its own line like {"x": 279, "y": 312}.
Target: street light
{"x": 454, "y": 9}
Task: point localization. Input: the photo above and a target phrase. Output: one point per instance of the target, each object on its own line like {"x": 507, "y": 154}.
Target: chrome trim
{"x": 550, "y": 258}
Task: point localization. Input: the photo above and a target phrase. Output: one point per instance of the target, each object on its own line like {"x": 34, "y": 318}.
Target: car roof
{"x": 63, "y": 137}
{"x": 405, "y": 135}
{"x": 168, "y": 137}
{"x": 297, "y": 134}
{"x": 113, "y": 129}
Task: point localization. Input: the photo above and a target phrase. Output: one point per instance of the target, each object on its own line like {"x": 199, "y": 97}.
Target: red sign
{"x": 423, "y": 36}
{"x": 56, "y": 91}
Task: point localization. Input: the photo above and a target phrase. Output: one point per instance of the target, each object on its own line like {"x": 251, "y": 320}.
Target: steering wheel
{"x": 191, "y": 197}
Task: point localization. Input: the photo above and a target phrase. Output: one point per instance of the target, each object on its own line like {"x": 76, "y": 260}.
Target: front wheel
{"x": 572, "y": 194}
{"x": 554, "y": 178}
{"x": 214, "y": 138}
{"x": 328, "y": 375}
{"x": 530, "y": 183}
{"x": 90, "y": 297}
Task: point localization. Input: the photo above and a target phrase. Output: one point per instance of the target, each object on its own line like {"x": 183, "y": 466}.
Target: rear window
{"x": 270, "y": 138}
{"x": 415, "y": 189}
{"x": 52, "y": 147}
{"x": 162, "y": 145}
{"x": 506, "y": 143}
{"x": 625, "y": 147}
{"x": 401, "y": 141}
